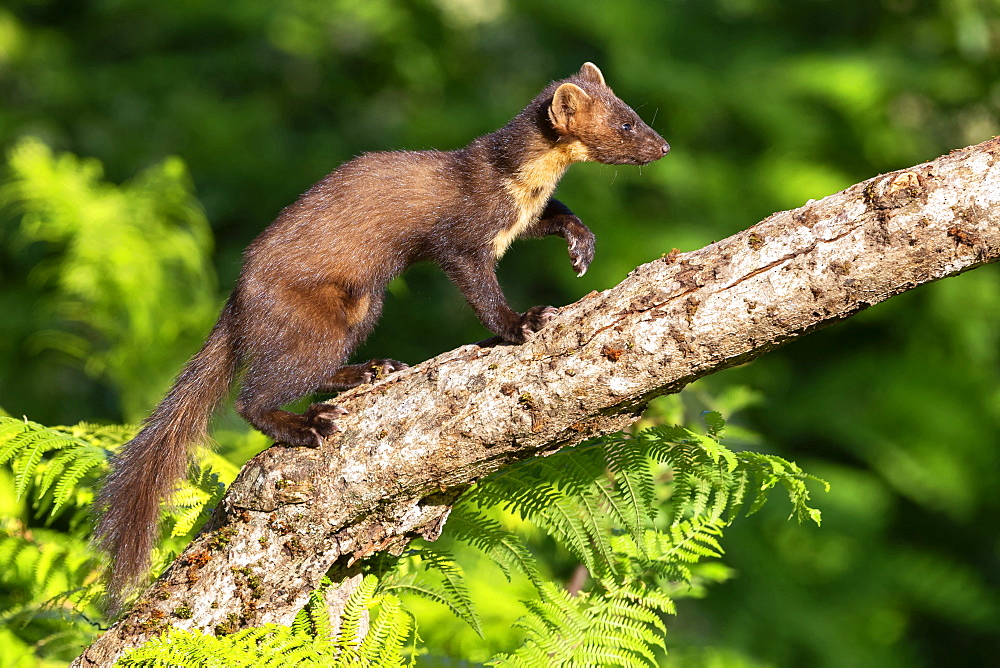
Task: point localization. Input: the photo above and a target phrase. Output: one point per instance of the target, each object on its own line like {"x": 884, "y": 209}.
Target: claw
{"x": 535, "y": 318}
{"x": 382, "y": 368}
{"x": 322, "y": 420}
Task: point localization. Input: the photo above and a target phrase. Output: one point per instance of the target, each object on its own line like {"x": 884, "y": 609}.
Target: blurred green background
{"x": 218, "y": 114}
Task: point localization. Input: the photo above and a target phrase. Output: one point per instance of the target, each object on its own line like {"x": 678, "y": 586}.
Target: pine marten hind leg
{"x": 352, "y": 375}
{"x": 275, "y": 379}
{"x": 362, "y": 313}
{"x": 266, "y": 390}
{"x": 271, "y": 381}
{"x": 323, "y": 415}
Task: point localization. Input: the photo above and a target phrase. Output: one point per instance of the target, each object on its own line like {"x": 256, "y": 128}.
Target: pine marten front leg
{"x": 557, "y": 219}
{"x": 475, "y": 275}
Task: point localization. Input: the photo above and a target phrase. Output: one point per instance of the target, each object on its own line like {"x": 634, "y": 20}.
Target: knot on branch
{"x": 893, "y": 190}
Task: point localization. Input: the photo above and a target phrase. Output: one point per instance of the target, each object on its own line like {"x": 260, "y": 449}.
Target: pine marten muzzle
{"x": 311, "y": 286}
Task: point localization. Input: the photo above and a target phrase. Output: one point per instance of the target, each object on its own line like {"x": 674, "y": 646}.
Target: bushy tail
{"x": 147, "y": 469}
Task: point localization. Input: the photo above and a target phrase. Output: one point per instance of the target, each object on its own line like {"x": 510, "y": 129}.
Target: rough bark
{"x": 413, "y": 442}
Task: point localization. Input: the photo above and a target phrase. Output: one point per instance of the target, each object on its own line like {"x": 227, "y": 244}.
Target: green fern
{"x": 66, "y": 460}
{"x": 56, "y": 459}
{"x": 709, "y": 479}
{"x": 565, "y": 494}
{"x": 611, "y": 629}
{"x": 56, "y": 469}
{"x": 349, "y": 634}
{"x": 669, "y": 553}
{"x": 61, "y": 570}
{"x": 503, "y": 547}
{"x": 452, "y": 591}
{"x": 387, "y": 635}
{"x": 308, "y": 641}
{"x": 599, "y": 501}
{"x": 50, "y": 575}
{"x": 192, "y": 502}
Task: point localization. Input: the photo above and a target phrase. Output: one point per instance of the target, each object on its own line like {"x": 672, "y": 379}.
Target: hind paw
{"x": 535, "y": 318}
{"x": 322, "y": 419}
{"x": 378, "y": 369}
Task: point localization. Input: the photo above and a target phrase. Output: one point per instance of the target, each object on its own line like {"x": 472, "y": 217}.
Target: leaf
{"x": 505, "y": 549}
{"x": 78, "y": 451}
{"x": 454, "y": 593}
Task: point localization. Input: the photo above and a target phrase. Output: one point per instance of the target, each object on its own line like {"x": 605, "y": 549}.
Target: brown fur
{"x": 311, "y": 285}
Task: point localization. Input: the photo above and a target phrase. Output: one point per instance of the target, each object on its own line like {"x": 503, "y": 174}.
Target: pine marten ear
{"x": 568, "y": 101}
{"x": 590, "y": 72}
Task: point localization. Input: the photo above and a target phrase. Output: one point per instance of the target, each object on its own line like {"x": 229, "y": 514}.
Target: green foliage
{"x": 49, "y": 584}
{"x": 599, "y": 501}
{"x": 503, "y": 547}
{"x": 56, "y": 459}
{"x": 308, "y": 641}
{"x": 721, "y": 479}
{"x": 588, "y": 630}
{"x": 48, "y": 572}
{"x": 452, "y": 591}
{"x": 47, "y": 596}
{"x": 124, "y": 271}
{"x": 192, "y": 503}
{"x": 578, "y": 494}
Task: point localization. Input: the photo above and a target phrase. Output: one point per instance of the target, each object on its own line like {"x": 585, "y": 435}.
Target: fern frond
{"x": 357, "y": 604}
{"x": 58, "y": 567}
{"x": 632, "y": 468}
{"x": 715, "y": 423}
{"x": 454, "y": 593}
{"x": 566, "y": 494}
{"x": 55, "y": 459}
{"x": 306, "y": 642}
{"x": 711, "y": 480}
{"x": 585, "y": 630}
{"x": 619, "y": 623}
{"x": 67, "y": 470}
{"x": 692, "y": 540}
{"x": 193, "y": 501}
{"x": 503, "y": 547}
{"x": 767, "y": 471}
{"x": 302, "y": 623}
{"x": 540, "y": 501}
{"x": 25, "y": 446}
{"x": 599, "y": 501}
{"x": 628, "y": 610}
{"x": 651, "y": 598}
{"x": 179, "y": 647}
{"x": 383, "y": 645}
{"x": 319, "y": 614}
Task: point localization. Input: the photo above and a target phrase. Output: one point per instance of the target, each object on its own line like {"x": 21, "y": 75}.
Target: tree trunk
{"x": 414, "y": 441}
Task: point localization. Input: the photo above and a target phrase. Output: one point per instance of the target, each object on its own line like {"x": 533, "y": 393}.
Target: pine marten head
{"x": 584, "y": 111}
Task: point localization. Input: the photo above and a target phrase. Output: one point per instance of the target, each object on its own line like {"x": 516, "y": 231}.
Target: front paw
{"x": 580, "y": 241}
{"x": 534, "y": 319}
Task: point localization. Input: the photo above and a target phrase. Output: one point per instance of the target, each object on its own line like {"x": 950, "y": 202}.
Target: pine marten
{"x": 312, "y": 284}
